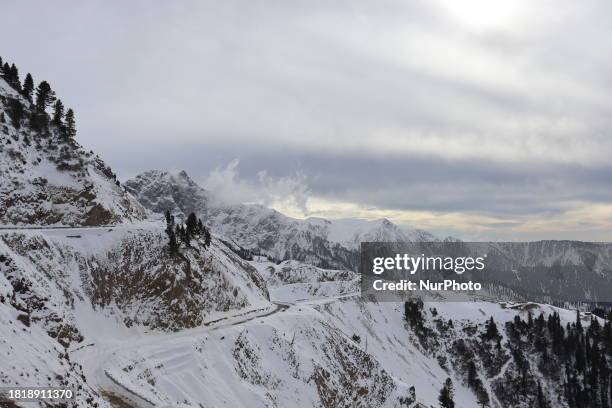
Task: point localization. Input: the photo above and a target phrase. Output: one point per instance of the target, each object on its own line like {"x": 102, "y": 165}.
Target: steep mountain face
{"x": 160, "y": 191}
{"x": 48, "y": 179}
{"x": 325, "y": 243}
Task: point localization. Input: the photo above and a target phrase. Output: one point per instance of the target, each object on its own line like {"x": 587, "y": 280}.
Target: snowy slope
{"x": 55, "y": 283}
{"x": 292, "y": 358}
{"x": 49, "y": 180}
{"x": 292, "y": 281}
{"x": 324, "y": 353}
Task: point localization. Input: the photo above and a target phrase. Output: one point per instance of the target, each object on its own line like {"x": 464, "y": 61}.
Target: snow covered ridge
{"x": 292, "y": 281}
{"x": 288, "y": 272}
{"x": 331, "y": 244}
{"x": 48, "y": 179}
{"x": 132, "y": 272}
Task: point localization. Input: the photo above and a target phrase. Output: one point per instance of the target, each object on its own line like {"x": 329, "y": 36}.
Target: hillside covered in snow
{"x": 102, "y": 294}
{"x": 47, "y": 178}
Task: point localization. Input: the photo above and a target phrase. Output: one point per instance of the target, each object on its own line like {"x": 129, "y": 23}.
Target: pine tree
{"x": 6, "y": 72}
{"x": 70, "y": 125}
{"x": 580, "y": 362}
{"x": 172, "y": 244}
{"x": 44, "y": 96}
{"x": 446, "y": 395}
{"x": 522, "y": 365}
{"x": 58, "y": 114}
{"x": 28, "y": 87}
{"x": 15, "y": 77}
{"x": 191, "y": 224}
{"x": 413, "y": 313}
{"x": 11, "y": 75}
{"x": 206, "y": 238}
{"x": 491, "y": 330}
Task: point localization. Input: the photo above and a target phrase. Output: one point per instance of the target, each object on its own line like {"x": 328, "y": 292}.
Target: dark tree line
{"x": 577, "y": 357}
{"x": 574, "y": 359}
{"x": 193, "y": 228}
{"x": 41, "y": 97}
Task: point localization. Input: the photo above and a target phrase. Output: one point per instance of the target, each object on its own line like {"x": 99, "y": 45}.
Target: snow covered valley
{"x": 311, "y": 342}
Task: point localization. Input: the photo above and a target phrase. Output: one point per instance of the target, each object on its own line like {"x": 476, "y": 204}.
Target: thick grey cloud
{"x": 494, "y": 114}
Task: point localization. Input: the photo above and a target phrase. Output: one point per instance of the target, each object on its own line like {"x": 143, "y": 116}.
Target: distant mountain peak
{"x": 162, "y": 191}
{"x": 322, "y": 242}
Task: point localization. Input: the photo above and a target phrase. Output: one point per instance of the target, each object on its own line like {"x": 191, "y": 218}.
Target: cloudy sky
{"x": 474, "y": 118}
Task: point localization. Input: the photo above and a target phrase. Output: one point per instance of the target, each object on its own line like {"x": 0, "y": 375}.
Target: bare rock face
{"x": 48, "y": 179}
{"x": 162, "y": 191}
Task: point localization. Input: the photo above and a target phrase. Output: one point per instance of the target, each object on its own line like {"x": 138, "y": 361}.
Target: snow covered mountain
{"x": 113, "y": 263}
{"x": 48, "y": 179}
{"x": 550, "y": 270}
{"x": 110, "y": 312}
{"x": 317, "y": 241}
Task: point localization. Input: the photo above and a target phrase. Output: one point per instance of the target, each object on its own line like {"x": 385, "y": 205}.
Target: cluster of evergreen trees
{"x": 42, "y": 97}
{"x": 475, "y": 384}
{"x": 578, "y": 357}
{"x": 192, "y": 228}
{"x": 413, "y": 314}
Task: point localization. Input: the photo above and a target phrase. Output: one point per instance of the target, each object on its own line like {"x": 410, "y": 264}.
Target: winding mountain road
{"x": 107, "y": 384}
